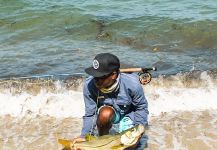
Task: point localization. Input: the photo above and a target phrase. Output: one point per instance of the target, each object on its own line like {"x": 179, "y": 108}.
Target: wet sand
{"x": 185, "y": 130}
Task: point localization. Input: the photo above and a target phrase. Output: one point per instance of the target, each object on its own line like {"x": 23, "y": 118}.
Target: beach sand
{"x": 186, "y": 130}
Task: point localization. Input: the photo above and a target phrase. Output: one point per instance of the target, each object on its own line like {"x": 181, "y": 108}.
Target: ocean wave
{"x": 63, "y": 98}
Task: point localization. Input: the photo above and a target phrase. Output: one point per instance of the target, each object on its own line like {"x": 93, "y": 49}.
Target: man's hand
{"x": 77, "y": 140}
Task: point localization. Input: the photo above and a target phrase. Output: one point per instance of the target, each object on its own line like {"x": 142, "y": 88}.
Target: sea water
{"x": 45, "y": 46}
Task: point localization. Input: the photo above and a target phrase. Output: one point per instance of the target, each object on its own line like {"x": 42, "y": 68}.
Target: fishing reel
{"x": 145, "y": 76}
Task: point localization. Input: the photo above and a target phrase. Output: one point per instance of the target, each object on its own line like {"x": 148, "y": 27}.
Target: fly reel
{"x": 144, "y": 75}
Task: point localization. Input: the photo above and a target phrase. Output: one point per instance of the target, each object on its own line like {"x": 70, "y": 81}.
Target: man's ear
{"x": 114, "y": 75}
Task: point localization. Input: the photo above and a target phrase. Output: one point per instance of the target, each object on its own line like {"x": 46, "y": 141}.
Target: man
{"x": 114, "y": 101}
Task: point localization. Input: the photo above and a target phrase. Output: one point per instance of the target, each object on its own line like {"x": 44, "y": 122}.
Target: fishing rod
{"x": 144, "y": 73}
{"x": 129, "y": 70}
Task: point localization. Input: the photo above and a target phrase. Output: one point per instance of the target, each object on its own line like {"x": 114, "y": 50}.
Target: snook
{"x": 120, "y": 141}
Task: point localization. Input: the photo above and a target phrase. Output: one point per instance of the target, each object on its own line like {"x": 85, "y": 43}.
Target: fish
{"x": 121, "y": 141}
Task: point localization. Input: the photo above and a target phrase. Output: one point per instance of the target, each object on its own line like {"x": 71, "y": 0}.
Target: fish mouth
{"x": 131, "y": 136}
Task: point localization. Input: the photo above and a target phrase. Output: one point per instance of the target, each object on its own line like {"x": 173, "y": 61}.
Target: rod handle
{"x": 138, "y": 69}
{"x": 131, "y": 70}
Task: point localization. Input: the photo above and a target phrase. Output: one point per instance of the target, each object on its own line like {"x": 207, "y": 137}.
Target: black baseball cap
{"x": 103, "y": 64}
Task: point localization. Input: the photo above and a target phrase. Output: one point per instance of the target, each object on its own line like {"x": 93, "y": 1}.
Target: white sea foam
{"x": 182, "y": 99}
{"x": 68, "y": 103}
{"x": 64, "y": 104}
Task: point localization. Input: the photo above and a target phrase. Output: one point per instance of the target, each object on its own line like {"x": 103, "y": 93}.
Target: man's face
{"x": 105, "y": 81}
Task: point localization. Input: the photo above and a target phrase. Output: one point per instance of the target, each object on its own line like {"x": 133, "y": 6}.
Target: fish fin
{"x": 89, "y": 137}
{"x": 117, "y": 146}
{"x": 66, "y": 143}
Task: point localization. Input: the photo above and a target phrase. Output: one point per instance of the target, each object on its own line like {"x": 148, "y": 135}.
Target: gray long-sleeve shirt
{"x": 128, "y": 99}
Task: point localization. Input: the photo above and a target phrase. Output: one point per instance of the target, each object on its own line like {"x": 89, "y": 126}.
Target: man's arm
{"x": 90, "y": 110}
{"x": 140, "y": 114}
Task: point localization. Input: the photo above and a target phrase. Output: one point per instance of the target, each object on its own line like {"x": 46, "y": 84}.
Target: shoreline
{"x": 176, "y": 130}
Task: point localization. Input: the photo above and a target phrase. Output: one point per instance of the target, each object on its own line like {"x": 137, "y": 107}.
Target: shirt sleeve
{"x": 140, "y": 114}
{"x": 90, "y": 110}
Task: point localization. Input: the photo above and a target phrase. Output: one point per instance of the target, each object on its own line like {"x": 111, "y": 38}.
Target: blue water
{"x": 52, "y": 37}
{"x": 42, "y": 41}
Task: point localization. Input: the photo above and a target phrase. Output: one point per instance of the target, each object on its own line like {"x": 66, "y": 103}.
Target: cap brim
{"x": 93, "y": 72}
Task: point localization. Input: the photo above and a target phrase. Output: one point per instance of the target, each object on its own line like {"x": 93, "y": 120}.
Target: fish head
{"x": 131, "y": 136}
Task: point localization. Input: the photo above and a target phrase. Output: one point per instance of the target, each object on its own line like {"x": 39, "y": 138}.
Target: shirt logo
{"x": 95, "y": 64}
